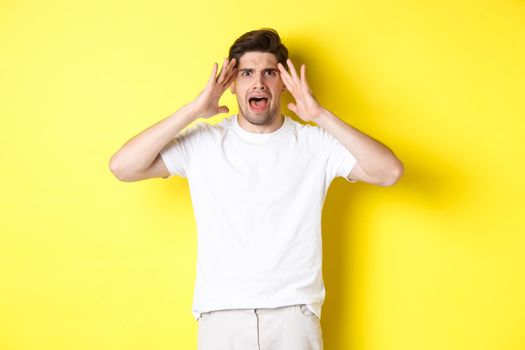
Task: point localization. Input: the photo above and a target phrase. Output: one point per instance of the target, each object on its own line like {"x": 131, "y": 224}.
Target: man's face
{"x": 258, "y": 87}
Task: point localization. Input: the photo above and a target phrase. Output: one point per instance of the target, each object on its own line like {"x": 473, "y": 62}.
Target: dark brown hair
{"x": 261, "y": 40}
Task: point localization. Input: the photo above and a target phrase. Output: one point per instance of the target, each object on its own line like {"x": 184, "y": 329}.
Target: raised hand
{"x": 206, "y": 104}
{"x": 305, "y": 106}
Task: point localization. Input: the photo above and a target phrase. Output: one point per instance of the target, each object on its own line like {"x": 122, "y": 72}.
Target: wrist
{"x": 322, "y": 116}
{"x": 187, "y": 113}
{"x": 190, "y": 112}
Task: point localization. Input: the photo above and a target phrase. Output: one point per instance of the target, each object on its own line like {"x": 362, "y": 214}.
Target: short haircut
{"x": 261, "y": 40}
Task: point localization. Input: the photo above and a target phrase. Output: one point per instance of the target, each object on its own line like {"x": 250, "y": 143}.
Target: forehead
{"x": 254, "y": 59}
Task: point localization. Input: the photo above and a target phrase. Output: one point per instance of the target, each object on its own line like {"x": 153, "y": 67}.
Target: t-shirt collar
{"x": 258, "y": 137}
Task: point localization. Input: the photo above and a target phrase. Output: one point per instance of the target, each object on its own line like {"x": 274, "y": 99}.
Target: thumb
{"x": 292, "y": 107}
{"x": 223, "y": 109}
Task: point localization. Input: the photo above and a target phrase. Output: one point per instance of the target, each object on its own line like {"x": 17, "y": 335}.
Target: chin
{"x": 259, "y": 119}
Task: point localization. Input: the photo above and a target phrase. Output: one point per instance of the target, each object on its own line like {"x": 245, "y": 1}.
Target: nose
{"x": 259, "y": 84}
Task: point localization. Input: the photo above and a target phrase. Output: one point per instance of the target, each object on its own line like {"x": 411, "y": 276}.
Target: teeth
{"x": 255, "y": 102}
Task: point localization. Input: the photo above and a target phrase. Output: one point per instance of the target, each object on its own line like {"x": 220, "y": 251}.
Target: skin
{"x": 139, "y": 157}
{"x": 376, "y": 163}
{"x": 258, "y": 72}
{"x": 206, "y": 104}
{"x": 306, "y": 106}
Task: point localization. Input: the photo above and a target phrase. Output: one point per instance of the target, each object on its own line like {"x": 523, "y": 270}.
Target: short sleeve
{"x": 340, "y": 161}
{"x": 178, "y": 152}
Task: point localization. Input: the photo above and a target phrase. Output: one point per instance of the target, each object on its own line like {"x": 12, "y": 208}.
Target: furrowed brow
{"x": 251, "y": 69}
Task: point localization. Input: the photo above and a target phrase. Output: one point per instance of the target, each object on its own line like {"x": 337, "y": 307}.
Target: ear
{"x": 232, "y": 87}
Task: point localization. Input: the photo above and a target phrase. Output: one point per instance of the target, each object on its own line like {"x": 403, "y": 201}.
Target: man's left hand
{"x": 305, "y": 106}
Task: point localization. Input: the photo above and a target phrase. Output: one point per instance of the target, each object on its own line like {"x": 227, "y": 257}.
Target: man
{"x": 258, "y": 181}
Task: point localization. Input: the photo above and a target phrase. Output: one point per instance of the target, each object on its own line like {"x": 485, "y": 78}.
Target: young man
{"x": 258, "y": 181}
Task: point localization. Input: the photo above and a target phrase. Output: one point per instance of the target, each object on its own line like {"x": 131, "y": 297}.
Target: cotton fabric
{"x": 257, "y": 200}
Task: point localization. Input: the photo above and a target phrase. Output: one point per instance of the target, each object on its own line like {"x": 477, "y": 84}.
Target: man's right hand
{"x": 139, "y": 157}
{"x": 206, "y": 104}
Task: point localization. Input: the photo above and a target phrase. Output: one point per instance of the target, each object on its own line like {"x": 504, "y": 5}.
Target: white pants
{"x": 292, "y": 327}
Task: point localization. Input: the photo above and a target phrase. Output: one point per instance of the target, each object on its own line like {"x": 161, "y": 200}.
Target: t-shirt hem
{"x": 315, "y": 307}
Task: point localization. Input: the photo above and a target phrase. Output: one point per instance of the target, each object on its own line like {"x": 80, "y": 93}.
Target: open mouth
{"x": 258, "y": 104}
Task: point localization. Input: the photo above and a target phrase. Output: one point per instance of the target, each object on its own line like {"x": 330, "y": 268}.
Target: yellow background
{"x": 435, "y": 262}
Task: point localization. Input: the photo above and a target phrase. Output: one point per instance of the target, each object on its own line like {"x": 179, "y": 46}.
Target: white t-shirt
{"x": 258, "y": 201}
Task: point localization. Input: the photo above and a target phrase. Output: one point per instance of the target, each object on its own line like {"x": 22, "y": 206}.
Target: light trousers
{"x": 292, "y": 327}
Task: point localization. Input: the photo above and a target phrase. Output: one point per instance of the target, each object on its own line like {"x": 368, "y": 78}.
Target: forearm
{"x": 376, "y": 159}
{"x": 140, "y": 151}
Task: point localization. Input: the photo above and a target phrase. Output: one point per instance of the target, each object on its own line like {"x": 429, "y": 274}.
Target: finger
{"x": 231, "y": 70}
{"x": 223, "y": 71}
{"x": 303, "y": 77}
{"x": 230, "y": 78}
{"x": 230, "y": 66}
{"x": 287, "y": 80}
{"x": 282, "y": 70}
{"x": 213, "y": 74}
{"x": 285, "y": 77}
{"x": 232, "y": 63}
{"x": 292, "y": 69}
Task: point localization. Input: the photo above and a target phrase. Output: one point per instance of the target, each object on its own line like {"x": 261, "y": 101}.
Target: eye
{"x": 245, "y": 72}
{"x": 270, "y": 72}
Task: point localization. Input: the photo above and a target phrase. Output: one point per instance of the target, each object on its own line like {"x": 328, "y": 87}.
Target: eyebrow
{"x": 251, "y": 69}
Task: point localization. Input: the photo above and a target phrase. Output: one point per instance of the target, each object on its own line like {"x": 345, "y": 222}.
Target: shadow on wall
{"x": 347, "y": 236}
{"x": 430, "y": 181}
